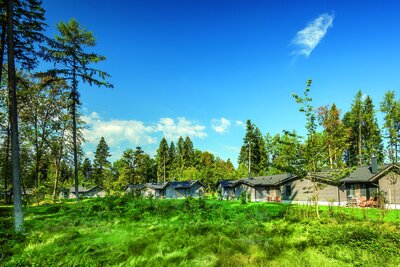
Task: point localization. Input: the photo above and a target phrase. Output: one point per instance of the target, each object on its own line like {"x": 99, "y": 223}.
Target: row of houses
{"x": 174, "y": 189}
{"x": 361, "y": 183}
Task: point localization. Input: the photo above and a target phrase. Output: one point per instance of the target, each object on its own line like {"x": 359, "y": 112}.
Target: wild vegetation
{"x": 198, "y": 232}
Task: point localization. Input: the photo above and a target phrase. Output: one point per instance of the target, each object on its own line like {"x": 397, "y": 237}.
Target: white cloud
{"x": 172, "y": 129}
{"x": 137, "y": 133}
{"x": 220, "y": 125}
{"x": 309, "y": 37}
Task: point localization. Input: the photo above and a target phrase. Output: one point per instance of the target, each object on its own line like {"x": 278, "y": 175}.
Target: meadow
{"x": 128, "y": 231}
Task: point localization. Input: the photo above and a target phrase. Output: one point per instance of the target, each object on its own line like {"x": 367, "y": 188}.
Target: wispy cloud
{"x": 309, "y": 37}
{"x": 220, "y": 125}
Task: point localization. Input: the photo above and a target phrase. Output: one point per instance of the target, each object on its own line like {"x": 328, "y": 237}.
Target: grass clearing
{"x": 147, "y": 232}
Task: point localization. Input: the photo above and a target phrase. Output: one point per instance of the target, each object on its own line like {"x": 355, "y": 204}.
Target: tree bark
{"x": 359, "y": 141}
{"x": 12, "y": 94}
{"x": 74, "y": 103}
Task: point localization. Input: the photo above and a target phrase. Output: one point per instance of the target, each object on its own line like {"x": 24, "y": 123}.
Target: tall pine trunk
{"x": 12, "y": 94}
{"x": 359, "y": 141}
{"x": 74, "y": 103}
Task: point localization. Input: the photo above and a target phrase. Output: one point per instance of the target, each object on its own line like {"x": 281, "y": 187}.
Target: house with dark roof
{"x": 148, "y": 189}
{"x": 360, "y": 183}
{"x": 94, "y": 191}
{"x": 259, "y": 188}
{"x": 183, "y": 189}
{"x": 365, "y": 181}
{"x": 174, "y": 189}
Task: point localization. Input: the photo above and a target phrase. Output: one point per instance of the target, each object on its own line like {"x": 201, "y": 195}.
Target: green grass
{"x": 146, "y": 232}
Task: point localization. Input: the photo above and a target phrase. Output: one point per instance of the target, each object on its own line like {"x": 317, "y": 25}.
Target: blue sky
{"x": 201, "y": 68}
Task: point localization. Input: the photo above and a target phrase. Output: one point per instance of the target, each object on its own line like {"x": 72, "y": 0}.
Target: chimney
{"x": 374, "y": 165}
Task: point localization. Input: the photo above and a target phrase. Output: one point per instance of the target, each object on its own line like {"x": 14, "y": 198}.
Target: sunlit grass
{"x": 143, "y": 232}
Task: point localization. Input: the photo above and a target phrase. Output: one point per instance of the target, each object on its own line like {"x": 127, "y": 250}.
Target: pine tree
{"x": 180, "y": 155}
{"x": 188, "y": 153}
{"x": 253, "y": 152}
{"x": 391, "y": 109}
{"x": 87, "y": 169}
{"x": 101, "y": 161}
{"x": 371, "y": 135}
{"x": 162, "y": 161}
{"x": 172, "y": 161}
{"x": 364, "y": 138}
{"x": 67, "y": 51}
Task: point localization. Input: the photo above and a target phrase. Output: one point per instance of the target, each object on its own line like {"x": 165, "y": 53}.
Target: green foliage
{"x": 364, "y": 138}
{"x": 390, "y": 107}
{"x": 253, "y": 151}
{"x": 139, "y": 232}
{"x": 101, "y": 163}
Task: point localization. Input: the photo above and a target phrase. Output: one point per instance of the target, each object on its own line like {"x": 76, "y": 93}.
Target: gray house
{"x": 95, "y": 191}
{"x": 169, "y": 189}
{"x": 183, "y": 189}
{"x": 148, "y": 189}
{"x": 361, "y": 184}
{"x": 259, "y": 188}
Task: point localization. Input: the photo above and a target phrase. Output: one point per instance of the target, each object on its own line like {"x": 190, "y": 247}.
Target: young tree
{"x": 312, "y": 151}
{"x": 68, "y": 52}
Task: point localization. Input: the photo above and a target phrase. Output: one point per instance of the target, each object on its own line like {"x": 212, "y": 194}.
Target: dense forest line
{"x": 42, "y": 127}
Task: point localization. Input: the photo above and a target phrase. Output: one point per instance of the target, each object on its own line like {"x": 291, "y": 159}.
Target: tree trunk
{"x": 330, "y": 156}
{"x": 57, "y": 165}
{"x": 359, "y": 141}
{"x": 12, "y": 94}
{"x": 6, "y": 164}
{"x": 37, "y": 151}
{"x": 74, "y": 103}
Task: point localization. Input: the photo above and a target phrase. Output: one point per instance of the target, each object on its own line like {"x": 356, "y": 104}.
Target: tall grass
{"x": 196, "y": 232}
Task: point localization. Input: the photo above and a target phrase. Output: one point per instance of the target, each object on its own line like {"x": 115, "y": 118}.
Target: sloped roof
{"x": 184, "y": 184}
{"x": 147, "y": 185}
{"x": 266, "y": 180}
{"x": 228, "y": 183}
{"x": 82, "y": 189}
{"x": 364, "y": 174}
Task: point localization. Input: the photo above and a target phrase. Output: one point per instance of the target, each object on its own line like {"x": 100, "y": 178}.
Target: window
{"x": 288, "y": 190}
{"x": 363, "y": 189}
{"x": 350, "y": 190}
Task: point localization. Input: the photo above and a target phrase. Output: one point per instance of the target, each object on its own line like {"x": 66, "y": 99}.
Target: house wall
{"x": 169, "y": 192}
{"x": 95, "y": 192}
{"x": 226, "y": 192}
{"x": 196, "y": 190}
{"x": 240, "y": 188}
{"x": 263, "y": 193}
{"x": 302, "y": 190}
{"x": 391, "y": 190}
